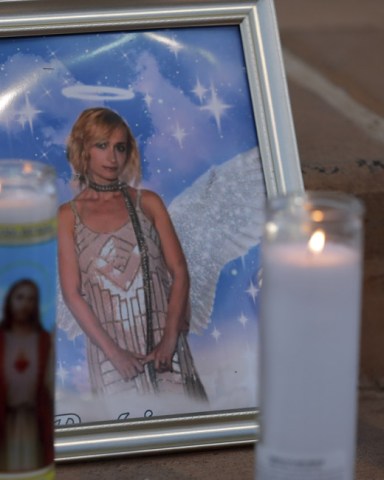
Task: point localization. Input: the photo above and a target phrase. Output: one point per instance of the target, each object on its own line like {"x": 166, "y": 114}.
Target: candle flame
{"x": 317, "y": 216}
{"x": 317, "y": 241}
{"x": 271, "y": 228}
{"x": 27, "y": 168}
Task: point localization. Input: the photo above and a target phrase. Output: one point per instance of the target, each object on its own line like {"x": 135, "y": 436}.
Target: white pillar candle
{"x": 310, "y": 316}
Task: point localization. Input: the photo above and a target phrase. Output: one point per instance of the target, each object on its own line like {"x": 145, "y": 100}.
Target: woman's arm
{"x": 176, "y": 263}
{"x": 127, "y": 363}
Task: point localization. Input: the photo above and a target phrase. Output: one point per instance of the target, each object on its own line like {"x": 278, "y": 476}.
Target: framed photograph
{"x": 202, "y": 86}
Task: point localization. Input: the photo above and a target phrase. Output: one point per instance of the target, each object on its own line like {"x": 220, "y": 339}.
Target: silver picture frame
{"x": 257, "y": 23}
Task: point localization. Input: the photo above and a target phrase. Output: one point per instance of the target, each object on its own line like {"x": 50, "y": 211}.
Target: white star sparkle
{"x": 216, "y": 334}
{"x": 242, "y": 319}
{"x": 62, "y": 373}
{"x": 44, "y": 156}
{"x": 252, "y": 290}
{"x": 216, "y": 107}
{"x": 148, "y": 99}
{"x": 199, "y": 90}
{"x": 47, "y": 92}
{"x": 179, "y": 134}
{"x": 52, "y": 53}
{"x": 27, "y": 114}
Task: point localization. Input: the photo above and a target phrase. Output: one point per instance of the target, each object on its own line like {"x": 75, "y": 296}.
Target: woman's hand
{"x": 128, "y": 364}
{"x": 162, "y": 354}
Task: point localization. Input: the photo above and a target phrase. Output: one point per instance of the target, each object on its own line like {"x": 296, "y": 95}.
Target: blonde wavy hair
{"x": 92, "y": 126}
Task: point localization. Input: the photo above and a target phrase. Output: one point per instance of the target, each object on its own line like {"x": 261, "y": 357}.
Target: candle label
{"x": 273, "y": 465}
{"x": 28, "y": 255}
{"x": 26, "y": 233}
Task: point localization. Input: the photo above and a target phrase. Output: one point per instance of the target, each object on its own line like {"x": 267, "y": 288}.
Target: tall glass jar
{"x": 28, "y": 206}
{"x": 310, "y": 322}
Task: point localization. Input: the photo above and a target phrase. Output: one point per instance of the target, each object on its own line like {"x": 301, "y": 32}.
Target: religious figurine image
{"x": 123, "y": 273}
{"x": 26, "y": 379}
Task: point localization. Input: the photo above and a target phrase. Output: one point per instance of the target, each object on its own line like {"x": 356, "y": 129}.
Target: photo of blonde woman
{"x": 123, "y": 272}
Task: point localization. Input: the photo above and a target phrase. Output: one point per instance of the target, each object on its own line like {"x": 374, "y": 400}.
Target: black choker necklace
{"x": 111, "y": 187}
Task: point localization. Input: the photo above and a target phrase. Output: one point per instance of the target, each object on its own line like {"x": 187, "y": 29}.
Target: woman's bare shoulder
{"x": 65, "y": 208}
{"x": 68, "y": 208}
{"x": 150, "y": 198}
{"x": 66, "y": 213}
{"x": 151, "y": 204}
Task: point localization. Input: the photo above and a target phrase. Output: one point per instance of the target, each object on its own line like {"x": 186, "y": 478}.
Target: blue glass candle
{"x": 28, "y": 206}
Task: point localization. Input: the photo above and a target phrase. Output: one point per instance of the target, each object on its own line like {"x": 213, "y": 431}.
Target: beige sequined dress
{"x": 112, "y": 284}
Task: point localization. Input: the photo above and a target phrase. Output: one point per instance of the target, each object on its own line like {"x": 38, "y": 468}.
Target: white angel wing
{"x": 218, "y": 219}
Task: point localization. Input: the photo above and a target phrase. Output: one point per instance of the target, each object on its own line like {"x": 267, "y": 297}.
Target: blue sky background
{"x": 185, "y": 94}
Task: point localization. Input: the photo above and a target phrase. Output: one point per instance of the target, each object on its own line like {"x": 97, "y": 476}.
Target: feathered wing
{"x": 218, "y": 219}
